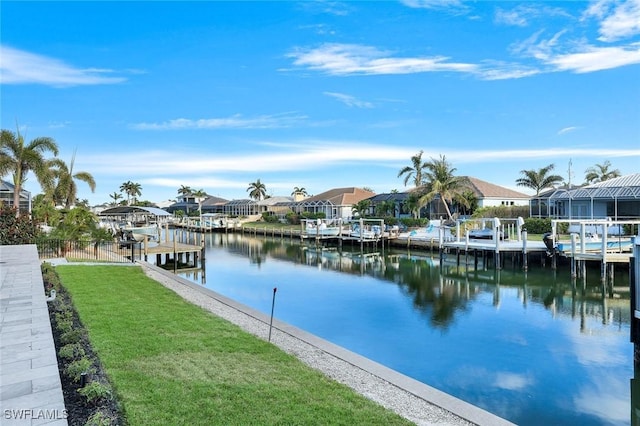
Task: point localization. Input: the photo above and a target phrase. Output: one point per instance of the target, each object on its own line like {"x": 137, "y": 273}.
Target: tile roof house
{"x": 335, "y": 203}
{"x": 490, "y": 195}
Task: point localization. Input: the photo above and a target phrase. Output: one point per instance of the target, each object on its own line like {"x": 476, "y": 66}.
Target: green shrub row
{"x": 76, "y": 364}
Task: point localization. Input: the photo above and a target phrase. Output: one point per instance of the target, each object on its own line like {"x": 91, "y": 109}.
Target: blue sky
{"x": 313, "y": 94}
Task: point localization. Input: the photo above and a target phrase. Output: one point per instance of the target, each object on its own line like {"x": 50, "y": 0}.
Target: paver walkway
{"x": 30, "y": 387}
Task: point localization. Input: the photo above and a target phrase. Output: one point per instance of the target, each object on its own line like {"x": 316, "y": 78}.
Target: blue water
{"x": 524, "y": 346}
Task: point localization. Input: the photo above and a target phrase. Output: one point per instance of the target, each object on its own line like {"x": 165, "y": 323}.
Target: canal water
{"x": 532, "y": 347}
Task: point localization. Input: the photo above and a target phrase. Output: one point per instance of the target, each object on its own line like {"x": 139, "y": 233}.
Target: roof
{"x": 9, "y": 187}
{"x": 271, "y": 201}
{"x": 213, "y": 201}
{"x": 341, "y": 196}
{"x": 484, "y": 189}
{"x": 389, "y": 196}
{"x": 627, "y": 186}
{"x": 118, "y": 210}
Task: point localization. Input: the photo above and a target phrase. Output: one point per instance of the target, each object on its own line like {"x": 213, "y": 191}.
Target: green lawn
{"x": 173, "y": 363}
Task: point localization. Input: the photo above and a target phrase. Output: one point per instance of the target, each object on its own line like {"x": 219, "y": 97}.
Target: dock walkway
{"x": 30, "y": 386}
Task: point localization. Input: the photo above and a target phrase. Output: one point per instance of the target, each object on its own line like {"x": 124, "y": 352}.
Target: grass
{"x": 171, "y": 362}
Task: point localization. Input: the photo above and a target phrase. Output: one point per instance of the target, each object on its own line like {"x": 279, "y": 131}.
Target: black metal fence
{"x": 90, "y": 251}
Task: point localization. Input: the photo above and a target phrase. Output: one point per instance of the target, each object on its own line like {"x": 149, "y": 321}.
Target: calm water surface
{"x": 524, "y": 346}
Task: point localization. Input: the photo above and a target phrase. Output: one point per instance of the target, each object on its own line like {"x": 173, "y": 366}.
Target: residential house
{"x": 618, "y": 199}
{"x": 189, "y": 203}
{"x": 490, "y": 195}
{"x": 335, "y": 203}
{"x": 7, "y": 190}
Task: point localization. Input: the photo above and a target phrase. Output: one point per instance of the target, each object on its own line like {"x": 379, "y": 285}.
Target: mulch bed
{"x": 106, "y": 411}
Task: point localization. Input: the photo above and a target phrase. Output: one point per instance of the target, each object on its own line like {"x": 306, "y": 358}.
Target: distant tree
{"x": 468, "y": 201}
{"x": 413, "y": 204}
{"x": 199, "y": 195}
{"x": 132, "y": 189}
{"x": 299, "y": 191}
{"x": 600, "y": 173}
{"x": 361, "y": 207}
{"x": 415, "y": 171}
{"x": 441, "y": 181}
{"x": 257, "y": 190}
{"x": 18, "y": 159}
{"x": 115, "y": 197}
{"x": 386, "y": 208}
{"x": 539, "y": 179}
{"x": 185, "y": 190}
{"x": 366, "y": 188}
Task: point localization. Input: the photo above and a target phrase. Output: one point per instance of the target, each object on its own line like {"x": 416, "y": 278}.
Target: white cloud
{"x": 349, "y": 100}
{"x": 449, "y": 5}
{"x": 592, "y": 58}
{"x": 234, "y": 122}
{"x": 567, "y": 130}
{"x": 346, "y": 59}
{"x": 20, "y": 67}
{"x": 618, "y": 20}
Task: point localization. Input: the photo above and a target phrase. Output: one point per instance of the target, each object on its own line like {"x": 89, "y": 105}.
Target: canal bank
{"x": 413, "y": 400}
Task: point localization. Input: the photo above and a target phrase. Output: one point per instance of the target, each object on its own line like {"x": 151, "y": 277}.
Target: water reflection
{"x": 534, "y": 347}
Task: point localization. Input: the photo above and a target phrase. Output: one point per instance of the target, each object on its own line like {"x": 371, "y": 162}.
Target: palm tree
{"x": 413, "y": 204}
{"x": 539, "y": 179}
{"x": 600, "y": 173}
{"x": 361, "y": 208}
{"x": 19, "y": 159}
{"x": 132, "y": 190}
{"x": 199, "y": 196}
{"x": 441, "y": 181}
{"x": 257, "y": 190}
{"x": 115, "y": 196}
{"x": 65, "y": 189}
{"x": 415, "y": 171}
{"x": 185, "y": 190}
{"x": 299, "y": 191}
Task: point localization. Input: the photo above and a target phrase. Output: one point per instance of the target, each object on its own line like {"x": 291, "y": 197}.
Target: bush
{"x": 100, "y": 418}
{"x": 501, "y": 212}
{"x": 75, "y": 370}
{"x": 95, "y": 392}
{"x": 269, "y": 218}
{"x": 71, "y": 351}
{"x": 71, "y": 336}
{"x": 410, "y": 222}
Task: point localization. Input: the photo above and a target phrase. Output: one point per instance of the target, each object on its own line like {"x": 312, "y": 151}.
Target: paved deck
{"x": 30, "y": 387}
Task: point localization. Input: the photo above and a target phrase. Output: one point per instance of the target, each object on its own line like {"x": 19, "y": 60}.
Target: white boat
{"x": 593, "y": 243}
{"x": 371, "y": 233}
{"x": 320, "y": 229}
{"x": 430, "y": 233}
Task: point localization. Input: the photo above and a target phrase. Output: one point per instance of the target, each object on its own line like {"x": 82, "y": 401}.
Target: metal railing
{"x": 90, "y": 251}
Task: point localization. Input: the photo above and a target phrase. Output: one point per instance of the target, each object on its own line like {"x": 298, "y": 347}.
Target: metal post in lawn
{"x": 273, "y": 303}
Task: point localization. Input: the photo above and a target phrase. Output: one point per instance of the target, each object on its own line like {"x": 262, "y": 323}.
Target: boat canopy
{"x": 120, "y": 210}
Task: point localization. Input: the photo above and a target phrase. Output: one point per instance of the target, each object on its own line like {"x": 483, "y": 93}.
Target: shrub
{"x": 71, "y": 336}
{"x": 100, "y": 418}
{"x": 95, "y": 392}
{"x": 75, "y": 369}
{"x": 71, "y": 351}
{"x": 64, "y": 325}
{"x": 269, "y": 218}
{"x": 501, "y": 212}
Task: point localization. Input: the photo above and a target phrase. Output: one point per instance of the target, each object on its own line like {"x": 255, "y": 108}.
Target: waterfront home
{"x": 618, "y": 199}
{"x": 491, "y": 195}
{"x": 486, "y": 194}
{"x": 189, "y": 203}
{"x": 334, "y": 203}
